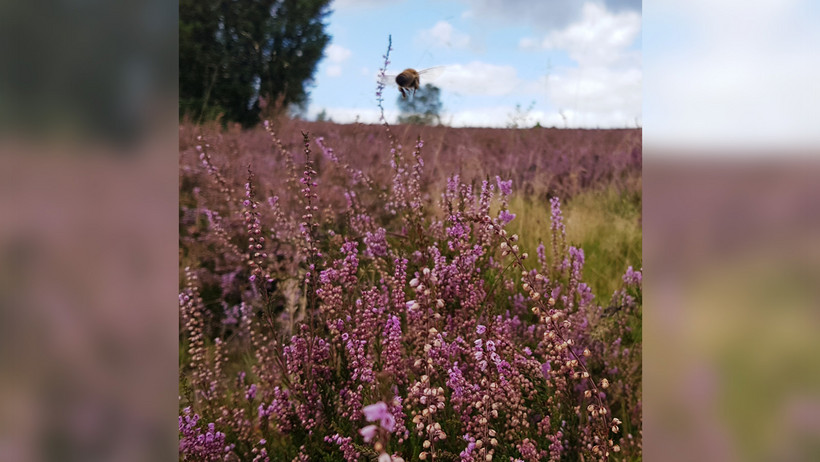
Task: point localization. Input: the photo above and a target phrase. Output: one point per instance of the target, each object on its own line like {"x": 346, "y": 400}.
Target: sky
{"x": 563, "y": 63}
{"x": 732, "y": 74}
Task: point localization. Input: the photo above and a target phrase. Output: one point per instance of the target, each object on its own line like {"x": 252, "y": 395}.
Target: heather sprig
{"x": 203, "y": 148}
{"x": 221, "y": 234}
{"x": 382, "y": 76}
{"x": 201, "y": 444}
{"x": 292, "y": 178}
{"x": 356, "y": 176}
{"x": 256, "y": 241}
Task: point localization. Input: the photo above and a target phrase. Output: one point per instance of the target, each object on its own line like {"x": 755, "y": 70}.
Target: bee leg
{"x": 403, "y": 96}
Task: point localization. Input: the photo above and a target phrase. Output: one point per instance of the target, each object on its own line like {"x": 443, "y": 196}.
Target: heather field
{"x": 375, "y": 292}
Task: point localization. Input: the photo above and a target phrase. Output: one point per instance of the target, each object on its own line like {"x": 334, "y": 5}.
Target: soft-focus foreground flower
{"x": 379, "y": 412}
{"x": 368, "y": 432}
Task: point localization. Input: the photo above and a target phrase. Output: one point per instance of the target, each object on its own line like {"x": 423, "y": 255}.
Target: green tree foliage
{"x": 323, "y": 117}
{"x": 422, "y": 109}
{"x": 243, "y": 58}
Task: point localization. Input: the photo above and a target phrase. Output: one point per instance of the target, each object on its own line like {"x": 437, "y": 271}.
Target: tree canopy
{"x": 423, "y": 108}
{"x": 240, "y": 58}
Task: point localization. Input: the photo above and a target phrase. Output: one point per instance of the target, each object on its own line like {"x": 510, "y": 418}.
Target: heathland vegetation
{"x": 349, "y": 292}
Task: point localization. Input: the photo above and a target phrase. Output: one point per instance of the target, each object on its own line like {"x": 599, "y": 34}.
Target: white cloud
{"x": 488, "y": 116}
{"x": 478, "y": 78}
{"x": 745, "y": 78}
{"x": 528, "y": 43}
{"x": 334, "y": 70}
{"x": 611, "y": 97}
{"x": 479, "y": 117}
{"x": 604, "y": 89}
{"x": 344, "y": 115}
{"x": 345, "y": 4}
{"x": 542, "y": 16}
{"x": 599, "y": 38}
{"x": 443, "y": 34}
{"x": 337, "y": 54}
{"x": 503, "y": 116}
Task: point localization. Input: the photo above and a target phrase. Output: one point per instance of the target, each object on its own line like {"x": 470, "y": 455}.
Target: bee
{"x": 410, "y": 79}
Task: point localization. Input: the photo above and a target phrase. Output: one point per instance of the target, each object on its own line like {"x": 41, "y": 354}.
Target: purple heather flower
{"x": 250, "y": 395}
{"x": 481, "y": 329}
{"x": 376, "y": 243}
{"x": 504, "y": 186}
{"x": 545, "y": 369}
{"x": 506, "y": 216}
{"x": 468, "y": 450}
{"x": 379, "y": 412}
{"x": 368, "y": 432}
{"x": 388, "y": 422}
{"x": 632, "y": 277}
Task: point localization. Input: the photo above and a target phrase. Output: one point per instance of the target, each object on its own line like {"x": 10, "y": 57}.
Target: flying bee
{"x": 410, "y": 79}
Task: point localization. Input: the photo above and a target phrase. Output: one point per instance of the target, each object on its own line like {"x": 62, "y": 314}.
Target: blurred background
{"x": 88, "y": 240}
{"x": 731, "y": 231}
{"x": 90, "y": 102}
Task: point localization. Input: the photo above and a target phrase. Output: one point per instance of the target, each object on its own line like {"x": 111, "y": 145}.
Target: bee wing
{"x": 387, "y": 79}
{"x": 431, "y": 73}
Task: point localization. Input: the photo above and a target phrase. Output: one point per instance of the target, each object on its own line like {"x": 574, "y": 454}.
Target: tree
{"x": 520, "y": 117}
{"x": 238, "y": 57}
{"x": 423, "y": 108}
{"x": 323, "y": 117}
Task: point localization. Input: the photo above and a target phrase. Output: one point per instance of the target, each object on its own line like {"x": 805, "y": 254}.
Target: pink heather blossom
{"x": 504, "y": 186}
{"x": 368, "y": 432}
{"x": 379, "y": 412}
{"x": 505, "y": 217}
{"x": 632, "y": 277}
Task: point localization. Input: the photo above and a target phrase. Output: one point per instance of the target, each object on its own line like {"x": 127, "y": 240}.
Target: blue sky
{"x": 574, "y": 62}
